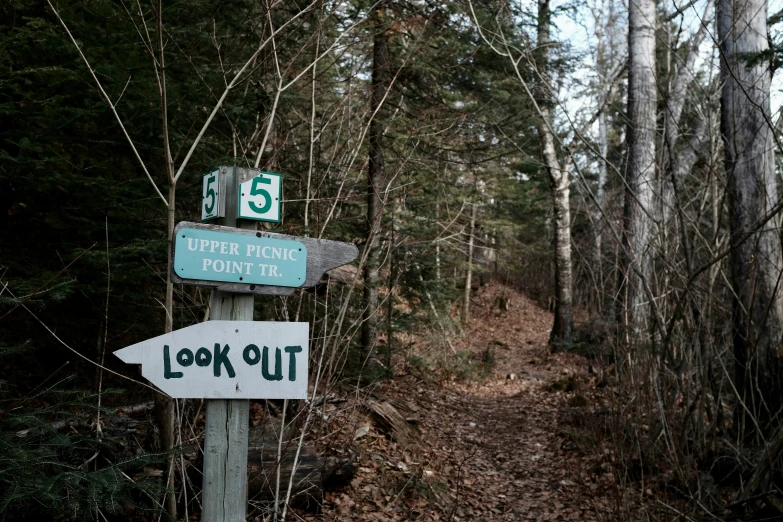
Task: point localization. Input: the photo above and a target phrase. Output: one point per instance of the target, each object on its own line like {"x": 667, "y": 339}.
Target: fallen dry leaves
{"x": 492, "y": 450}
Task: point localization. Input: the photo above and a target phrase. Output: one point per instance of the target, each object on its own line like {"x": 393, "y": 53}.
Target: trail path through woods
{"x": 492, "y": 450}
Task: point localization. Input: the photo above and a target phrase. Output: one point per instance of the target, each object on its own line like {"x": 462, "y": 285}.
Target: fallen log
{"x": 387, "y": 416}
{"x": 120, "y": 416}
{"x": 262, "y": 465}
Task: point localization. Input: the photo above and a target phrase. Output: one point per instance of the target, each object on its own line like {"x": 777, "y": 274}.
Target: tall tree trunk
{"x": 469, "y": 274}
{"x": 375, "y": 183}
{"x": 607, "y": 71}
{"x": 601, "y": 25}
{"x": 640, "y": 170}
{"x": 603, "y": 148}
{"x": 164, "y": 405}
{"x": 563, "y": 325}
{"x": 681, "y": 161}
{"x": 752, "y": 193}
{"x": 559, "y": 186}
{"x": 437, "y": 243}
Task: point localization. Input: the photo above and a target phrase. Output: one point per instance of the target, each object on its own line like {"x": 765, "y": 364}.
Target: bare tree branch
{"x": 109, "y": 103}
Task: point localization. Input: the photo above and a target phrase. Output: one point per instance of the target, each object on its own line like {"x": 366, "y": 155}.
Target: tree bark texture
{"x": 469, "y": 274}
{"x": 603, "y": 175}
{"x": 640, "y": 169}
{"x": 164, "y": 405}
{"x": 375, "y": 184}
{"x": 558, "y": 184}
{"x": 601, "y": 26}
{"x": 752, "y": 192}
{"x": 681, "y": 160}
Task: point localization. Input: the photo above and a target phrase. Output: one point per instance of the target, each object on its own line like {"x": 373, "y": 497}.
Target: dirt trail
{"x": 516, "y": 463}
{"x": 495, "y": 449}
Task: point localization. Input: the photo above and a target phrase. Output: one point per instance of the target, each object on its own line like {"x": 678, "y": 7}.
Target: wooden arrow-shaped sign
{"x": 249, "y": 261}
{"x": 226, "y": 360}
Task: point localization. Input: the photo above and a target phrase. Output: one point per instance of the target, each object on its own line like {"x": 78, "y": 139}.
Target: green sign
{"x": 210, "y": 202}
{"x": 256, "y": 259}
{"x": 260, "y": 197}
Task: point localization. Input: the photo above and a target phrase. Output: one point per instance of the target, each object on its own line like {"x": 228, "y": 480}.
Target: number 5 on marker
{"x": 210, "y": 203}
{"x": 259, "y": 197}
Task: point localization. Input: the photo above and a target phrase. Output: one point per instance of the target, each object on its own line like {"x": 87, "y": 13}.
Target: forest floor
{"x": 491, "y": 447}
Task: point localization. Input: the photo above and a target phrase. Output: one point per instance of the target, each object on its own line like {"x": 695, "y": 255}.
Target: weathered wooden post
{"x": 224, "y": 493}
{"x": 231, "y": 358}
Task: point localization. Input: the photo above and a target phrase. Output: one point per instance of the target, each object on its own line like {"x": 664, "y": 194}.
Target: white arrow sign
{"x": 226, "y": 360}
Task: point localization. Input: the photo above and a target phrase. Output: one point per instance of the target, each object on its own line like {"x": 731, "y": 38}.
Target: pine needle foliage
{"x": 48, "y": 474}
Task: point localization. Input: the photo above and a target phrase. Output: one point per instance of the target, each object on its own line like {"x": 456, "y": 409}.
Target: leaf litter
{"x": 494, "y": 449}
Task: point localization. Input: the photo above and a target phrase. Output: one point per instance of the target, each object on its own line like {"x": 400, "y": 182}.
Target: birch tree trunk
{"x": 752, "y": 193}
{"x": 602, "y": 17}
{"x": 375, "y": 184}
{"x": 640, "y": 169}
{"x": 558, "y": 184}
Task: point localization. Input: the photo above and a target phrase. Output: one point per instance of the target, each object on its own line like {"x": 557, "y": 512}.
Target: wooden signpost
{"x": 223, "y": 361}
